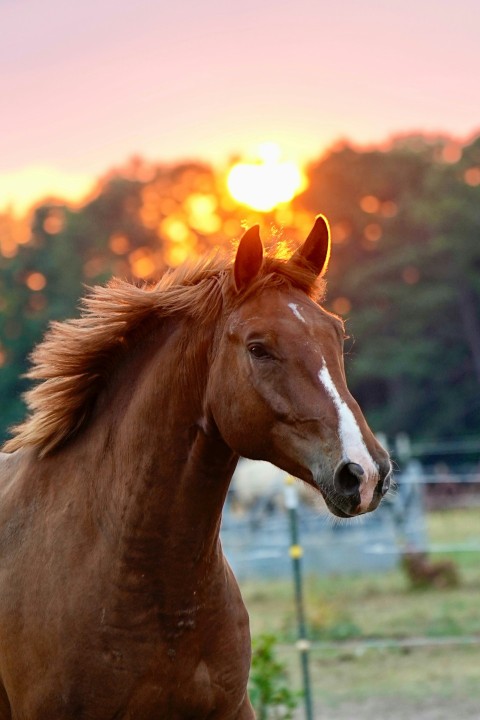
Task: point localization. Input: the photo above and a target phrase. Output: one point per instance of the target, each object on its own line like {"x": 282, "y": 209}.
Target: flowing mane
{"x": 75, "y": 356}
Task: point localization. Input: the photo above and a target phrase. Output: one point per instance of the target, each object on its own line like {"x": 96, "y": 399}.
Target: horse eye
{"x": 258, "y": 351}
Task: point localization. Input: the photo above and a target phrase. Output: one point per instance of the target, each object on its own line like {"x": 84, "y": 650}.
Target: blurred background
{"x": 135, "y": 136}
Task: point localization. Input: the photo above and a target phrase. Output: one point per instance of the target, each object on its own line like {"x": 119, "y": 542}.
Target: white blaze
{"x": 353, "y": 444}
{"x": 294, "y": 308}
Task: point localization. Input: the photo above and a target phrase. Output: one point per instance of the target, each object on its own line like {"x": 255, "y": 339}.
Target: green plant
{"x": 268, "y": 686}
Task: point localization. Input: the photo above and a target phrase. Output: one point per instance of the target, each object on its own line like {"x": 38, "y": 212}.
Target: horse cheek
{"x": 240, "y": 415}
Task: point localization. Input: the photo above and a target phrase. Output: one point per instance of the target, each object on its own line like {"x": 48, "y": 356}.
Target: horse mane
{"x": 72, "y": 361}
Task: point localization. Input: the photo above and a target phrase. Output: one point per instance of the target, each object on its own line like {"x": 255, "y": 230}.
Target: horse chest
{"x": 175, "y": 682}
{"x": 174, "y": 685}
{"x": 191, "y": 665}
{"x": 195, "y": 691}
{"x": 196, "y": 676}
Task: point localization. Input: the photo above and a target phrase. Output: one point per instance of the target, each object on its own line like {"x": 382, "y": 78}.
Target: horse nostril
{"x": 383, "y": 485}
{"x": 386, "y": 484}
{"x": 348, "y": 477}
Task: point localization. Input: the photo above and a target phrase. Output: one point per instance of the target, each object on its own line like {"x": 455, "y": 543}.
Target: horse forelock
{"x": 282, "y": 274}
{"x": 74, "y": 358}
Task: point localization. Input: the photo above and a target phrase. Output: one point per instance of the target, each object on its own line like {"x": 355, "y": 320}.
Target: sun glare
{"x": 266, "y": 182}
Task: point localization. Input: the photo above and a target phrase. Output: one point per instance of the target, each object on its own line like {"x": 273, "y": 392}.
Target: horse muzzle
{"x": 356, "y": 493}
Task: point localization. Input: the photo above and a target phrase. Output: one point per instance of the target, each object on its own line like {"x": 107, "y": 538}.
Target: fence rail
{"x": 432, "y": 479}
{"x": 357, "y": 647}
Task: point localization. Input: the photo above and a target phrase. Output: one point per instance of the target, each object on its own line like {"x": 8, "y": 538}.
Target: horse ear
{"x": 316, "y": 248}
{"x": 249, "y": 258}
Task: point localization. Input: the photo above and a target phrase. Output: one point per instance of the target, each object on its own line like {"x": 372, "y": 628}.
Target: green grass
{"x": 388, "y": 674}
{"x": 383, "y": 606}
{"x": 455, "y": 526}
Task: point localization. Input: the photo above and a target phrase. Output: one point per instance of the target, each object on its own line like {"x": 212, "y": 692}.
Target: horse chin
{"x": 337, "y": 511}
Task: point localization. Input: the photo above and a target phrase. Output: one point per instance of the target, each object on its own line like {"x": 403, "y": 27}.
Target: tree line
{"x": 405, "y": 268}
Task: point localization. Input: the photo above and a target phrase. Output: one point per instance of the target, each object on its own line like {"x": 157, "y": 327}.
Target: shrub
{"x": 269, "y": 689}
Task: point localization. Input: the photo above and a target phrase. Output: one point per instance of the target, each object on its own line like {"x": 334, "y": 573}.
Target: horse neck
{"x": 169, "y": 470}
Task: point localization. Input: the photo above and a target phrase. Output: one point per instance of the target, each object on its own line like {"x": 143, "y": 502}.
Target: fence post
{"x": 296, "y": 552}
{"x": 403, "y": 447}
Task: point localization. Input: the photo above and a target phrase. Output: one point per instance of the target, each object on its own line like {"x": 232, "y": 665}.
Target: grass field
{"x": 354, "y": 680}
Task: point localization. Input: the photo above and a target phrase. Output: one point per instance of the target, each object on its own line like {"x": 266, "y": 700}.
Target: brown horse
{"x": 115, "y": 598}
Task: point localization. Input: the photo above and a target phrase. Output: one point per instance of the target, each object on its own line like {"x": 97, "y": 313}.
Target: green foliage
{"x": 405, "y": 271}
{"x": 408, "y": 265}
{"x": 269, "y": 690}
{"x": 444, "y": 626}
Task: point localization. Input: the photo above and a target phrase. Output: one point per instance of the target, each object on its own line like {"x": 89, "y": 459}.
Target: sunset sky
{"x": 86, "y": 85}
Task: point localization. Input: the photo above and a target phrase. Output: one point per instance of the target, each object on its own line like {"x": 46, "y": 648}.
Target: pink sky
{"x": 86, "y": 85}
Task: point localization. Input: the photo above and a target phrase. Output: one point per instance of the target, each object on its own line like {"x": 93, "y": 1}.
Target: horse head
{"x": 277, "y": 390}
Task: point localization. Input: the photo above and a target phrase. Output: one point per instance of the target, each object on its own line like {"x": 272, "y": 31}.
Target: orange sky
{"x": 86, "y": 85}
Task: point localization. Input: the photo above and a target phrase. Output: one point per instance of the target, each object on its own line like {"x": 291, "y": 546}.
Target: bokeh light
{"x": 142, "y": 263}
{"x": 373, "y": 232}
{"x": 36, "y": 281}
{"x": 410, "y": 275}
{"x": 54, "y": 222}
{"x": 370, "y": 204}
{"x": 341, "y": 305}
{"x": 119, "y": 244}
{"x": 472, "y": 176}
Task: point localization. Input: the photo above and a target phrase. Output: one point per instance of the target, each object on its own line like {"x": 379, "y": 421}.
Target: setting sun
{"x": 266, "y": 182}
